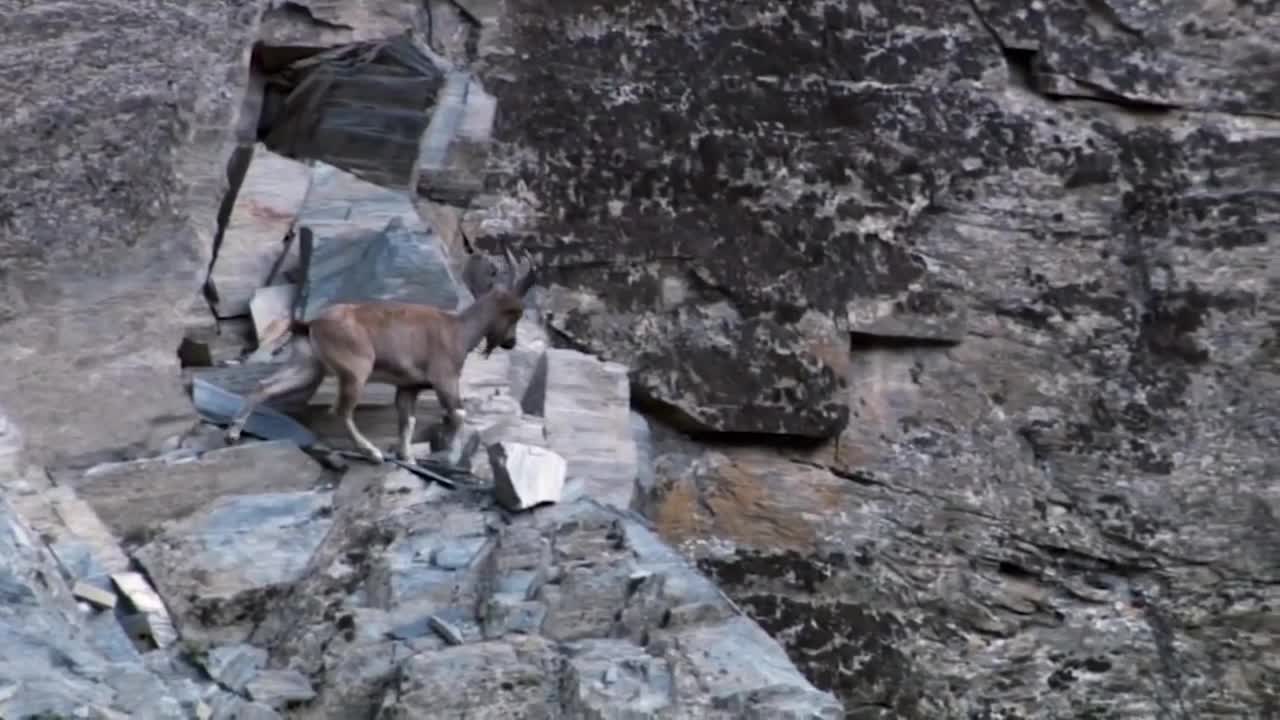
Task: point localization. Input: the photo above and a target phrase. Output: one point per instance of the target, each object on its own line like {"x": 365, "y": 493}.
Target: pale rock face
{"x": 252, "y": 243}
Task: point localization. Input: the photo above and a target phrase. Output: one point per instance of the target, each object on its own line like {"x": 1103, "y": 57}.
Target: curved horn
{"x": 512, "y": 265}
{"x": 525, "y": 280}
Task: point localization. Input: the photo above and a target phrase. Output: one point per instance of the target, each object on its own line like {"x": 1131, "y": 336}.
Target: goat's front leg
{"x": 451, "y": 402}
{"x": 406, "y": 402}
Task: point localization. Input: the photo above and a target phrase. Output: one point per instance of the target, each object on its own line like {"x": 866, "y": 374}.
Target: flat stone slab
{"x": 233, "y": 666}
{"x": 278, "y": 688}
{"x": 222, "y": 563}
{"x": 269, "y": 200}
{"x": 586, "y": 405}
{"x": 133, "y": 496}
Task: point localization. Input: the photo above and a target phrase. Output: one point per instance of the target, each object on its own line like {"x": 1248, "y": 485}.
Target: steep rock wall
{"x": 114, "y": 147}
{"x": 1028, "y": 250}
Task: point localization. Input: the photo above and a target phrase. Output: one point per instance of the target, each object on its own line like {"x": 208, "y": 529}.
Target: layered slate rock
{"x": 115, "y": 147}
{"x": 133, "y": 498}
{"x": 220, "y": 565}
{"x": 548, "y": 614}
{"x": 54, "y": 662}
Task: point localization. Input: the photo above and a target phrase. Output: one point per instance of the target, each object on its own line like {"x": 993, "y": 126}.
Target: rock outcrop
{"x": 1055, "y": 318}
{"x": 1008, "y": 268}
{"x": 115, "y": 144}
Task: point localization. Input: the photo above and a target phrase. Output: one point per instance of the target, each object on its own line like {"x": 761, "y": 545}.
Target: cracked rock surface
{"x": 1012, "y": 263}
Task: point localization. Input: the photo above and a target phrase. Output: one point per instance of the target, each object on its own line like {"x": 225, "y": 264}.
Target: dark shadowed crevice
{"x": 872, "y": 341}
{"x": 302, "y": 14}
{"x": 1021, "y": 63}
{"x": 673, "y": 418}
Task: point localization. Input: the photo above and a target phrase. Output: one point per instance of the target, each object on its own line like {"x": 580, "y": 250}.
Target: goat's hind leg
{"x": 350, "y": 384}
{"x": 447, "y": 392}
{"x": 406, "y": 402}
{"x": 291, "y": 378}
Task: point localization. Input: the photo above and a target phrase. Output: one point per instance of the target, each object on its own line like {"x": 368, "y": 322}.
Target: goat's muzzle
{"x": 508, "y": 344}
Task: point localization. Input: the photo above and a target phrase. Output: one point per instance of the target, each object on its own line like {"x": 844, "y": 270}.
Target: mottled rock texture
{"x": 1029, "y": 249}
{"x": 114, "y": 143}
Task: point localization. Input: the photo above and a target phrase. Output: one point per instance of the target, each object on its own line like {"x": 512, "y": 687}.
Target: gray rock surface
{"x": 52, "y": 661}
{"x": 235, "y": 554}
{"x": 115, "y": 147}
{"x": 1051, "y": 321}
{"x": 133, "y": 497}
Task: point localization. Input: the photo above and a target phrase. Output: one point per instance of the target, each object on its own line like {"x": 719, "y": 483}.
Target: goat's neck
{"x": 475, "y": 319}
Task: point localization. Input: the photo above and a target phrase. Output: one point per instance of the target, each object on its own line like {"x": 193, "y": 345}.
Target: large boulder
{"x": 115, "y": 145}
{"x": 1081, "y": 492}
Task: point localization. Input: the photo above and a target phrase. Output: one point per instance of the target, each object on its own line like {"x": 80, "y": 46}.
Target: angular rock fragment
{"x": 233, "y": 666}
{"x": 132, "y": 496}
{"x": 753, "y": 677}
{"x": 340, "y": 203}
{"x": 401, "y": 262}
{"x": 278, "y": 688}
{"x": 84, "y": 547}
{"x": 219, "y": 566}
{"x": 149, "y": 605}
{"x": 504, "y": 614}
{"x": 231, "y": 707}
{"x": 616, "y": 678}
{"x": 445, "y": 630}
{"x": 265, "y": 207}
{"x": 525, "y": 475}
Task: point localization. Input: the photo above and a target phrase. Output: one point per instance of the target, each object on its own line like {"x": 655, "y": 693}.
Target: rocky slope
{"x": 958, "y": 325}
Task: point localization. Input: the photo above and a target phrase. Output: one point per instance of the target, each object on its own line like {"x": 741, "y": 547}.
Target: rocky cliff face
{"x": 958, "y": 325}
{"x": 1028, "y": 250}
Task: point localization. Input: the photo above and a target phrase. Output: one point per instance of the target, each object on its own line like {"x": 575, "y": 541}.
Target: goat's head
{"x": 505, "y": 288}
